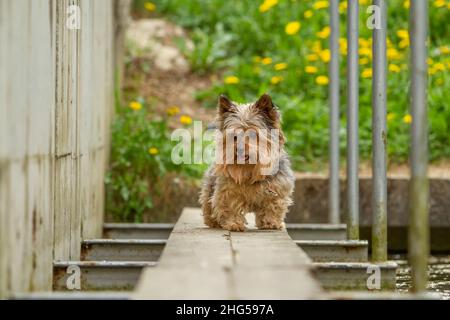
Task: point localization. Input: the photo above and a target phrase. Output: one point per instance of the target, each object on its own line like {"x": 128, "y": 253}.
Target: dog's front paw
{"x": 270, "y": 224}
{"x": 233, "y": 226}
{"x": 210, "y": 222}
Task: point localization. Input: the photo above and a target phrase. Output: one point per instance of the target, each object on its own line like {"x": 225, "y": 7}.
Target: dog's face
{"x": 246, "y": 139}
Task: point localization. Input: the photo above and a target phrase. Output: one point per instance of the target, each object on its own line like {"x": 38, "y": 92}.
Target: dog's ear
{"x": 265, "y": 105}
{"x": 225, "y": 104}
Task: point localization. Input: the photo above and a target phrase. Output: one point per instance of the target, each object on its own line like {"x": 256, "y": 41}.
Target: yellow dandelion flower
{"x": 367, "y": 73}
{"x": 231, "y": 80}
{"x": 390, "y": 116}
{"x": 153, "y": 151}
{"x": 173, "y": 110}
{"x": 364, "y": 61}
{"x": 389, "y": 43}
{"x": 263, "y": 7}
{"x": 150, "y": 6}
{"x": 343, "y": 46}
{"x": 276, "y": 79}
{"x": 404, "y": 43}
{"x": 185, "y": 119}
{"x": 439, "y": 3}
{"x": 325, "y": 55}
{"x": 444, "y": 50}
{"x": 342, "y": 6}
{"x": 432, "y": 71}
{"x": 342, "y": 41}
{"x": 403, "y": 33}
{"x": 316, "y": 47}
{"x": 393, "y": 54}
{"x": 404, "y": 36}
{"x": 320, "y": 5}
{"x": 312, "y": 57}
{"x": 292, "y": 28}
{"x": 266, "y": 60}
{"x": 310, "y": 69}
{"x": 324, "y": 33}
{"x": 363, "y": 2}
{"x": 308, "y": 14}
{"x": 280, "y": 66}
{"x": 439, "y": 66}
{"x": 406, "y": 4}
{"x": 135, "y": 105}
{"x": 366, "y": 43}
{"x": 365, "y": 52}
{"x": 266, "y": 5}
{"x": 407, "y": 118}
{"x": 394, "y": 68}
{"x": 322, "y": 80}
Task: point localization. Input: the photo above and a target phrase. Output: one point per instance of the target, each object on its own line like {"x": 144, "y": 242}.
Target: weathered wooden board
{"x": 56, "y": 91}
{"x": 203, "y": 263}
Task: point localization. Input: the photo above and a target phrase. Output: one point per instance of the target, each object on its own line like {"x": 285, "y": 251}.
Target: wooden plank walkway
{"x": 203, "y": 263}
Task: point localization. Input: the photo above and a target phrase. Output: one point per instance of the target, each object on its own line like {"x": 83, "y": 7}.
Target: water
{"x": 438, "y": 275}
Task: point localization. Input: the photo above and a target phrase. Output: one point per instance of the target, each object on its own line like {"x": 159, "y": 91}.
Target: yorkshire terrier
{"x": 251, "y": 172}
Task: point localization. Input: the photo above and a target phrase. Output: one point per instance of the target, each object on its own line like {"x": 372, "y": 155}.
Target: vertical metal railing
{"x": 418, "y": 242}
{"x": 379, "y": 137}
{"x": 333, "y": 188}
{"x": 352, "y": 120}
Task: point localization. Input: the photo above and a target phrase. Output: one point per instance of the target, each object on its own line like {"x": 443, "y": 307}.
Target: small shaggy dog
{"x": 252, "y": 171}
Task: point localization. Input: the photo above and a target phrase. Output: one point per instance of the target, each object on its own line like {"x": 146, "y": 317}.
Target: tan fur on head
{"x": 231, "y": 189}
{"x": 259, "y": 117}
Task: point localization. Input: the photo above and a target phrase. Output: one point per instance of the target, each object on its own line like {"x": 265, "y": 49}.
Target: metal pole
{"x": 333, "y": 213}
{"x": 379, "y": 136}
{"x": 352, "y": 120}
{"x": 418, "y": 242}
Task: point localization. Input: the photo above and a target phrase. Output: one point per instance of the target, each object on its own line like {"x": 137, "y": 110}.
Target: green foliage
{"x": 210, "y": 52}
{"x": 140, "y": 159}
{"x": 232, "y": 38}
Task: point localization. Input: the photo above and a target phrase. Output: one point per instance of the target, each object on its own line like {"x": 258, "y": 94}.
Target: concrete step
{"x": 297, "y": 231}
{"x": 356, "y": 276}
{"x": 98, "y": 275}
{"x": 137, "y": 230}
{"x": 335, "y": 250}
{"x": 73, "y": 295}
{"x": 317, "y": 231}
{"x": 121, "y": 250}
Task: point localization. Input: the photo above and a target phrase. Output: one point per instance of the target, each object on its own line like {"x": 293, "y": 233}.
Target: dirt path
{"x": 159, "y": 72}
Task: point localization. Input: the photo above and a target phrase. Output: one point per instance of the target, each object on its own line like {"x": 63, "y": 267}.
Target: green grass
{"x": 232, "y": 37}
